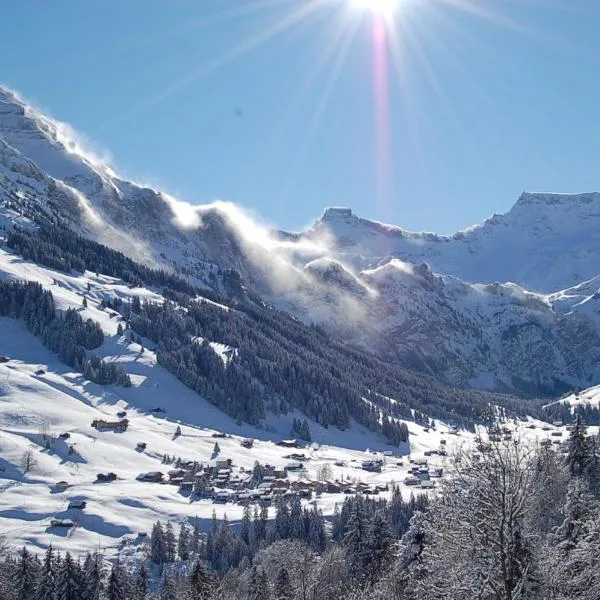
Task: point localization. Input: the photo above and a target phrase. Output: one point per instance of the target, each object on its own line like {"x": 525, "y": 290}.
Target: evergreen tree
{"x": 158, "y": 549}
{"x": 167, "y": 587}
{"x": 202, "y": 582}
{"x": 170, "y": 544}
{"x": 356, "y": 540}
{"x": 183, "y": 544}
{"x": 47, "y": 584}
{"x": 94, "y": 576}
{"x": 25, "y": 576}
{"x": 283, "y": 586}
{"x": 141, "y": 583}
{"x": 68, "y": 585}
{"x": 578, "y": 453}
{"x": 258, "y": 586}
{"x": 195, "y": 539}
{"x": 117, "y": 583}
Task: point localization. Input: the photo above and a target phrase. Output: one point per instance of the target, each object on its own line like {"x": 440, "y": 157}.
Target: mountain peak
{"x": 337, "y": 213}
{"x": 556, "y": 199}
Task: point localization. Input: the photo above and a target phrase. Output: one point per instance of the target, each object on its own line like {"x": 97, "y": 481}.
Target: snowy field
{"x": 40, "y": 398}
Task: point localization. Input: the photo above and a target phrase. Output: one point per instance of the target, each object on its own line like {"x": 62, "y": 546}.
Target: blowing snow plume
{"x": 158, "y": 228}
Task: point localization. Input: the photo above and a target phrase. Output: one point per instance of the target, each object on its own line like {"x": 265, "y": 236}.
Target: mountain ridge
{"x": 433, "y": 302}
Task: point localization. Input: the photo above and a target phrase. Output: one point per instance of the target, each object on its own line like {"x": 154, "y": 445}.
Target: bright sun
{"x": 384, "y": 8}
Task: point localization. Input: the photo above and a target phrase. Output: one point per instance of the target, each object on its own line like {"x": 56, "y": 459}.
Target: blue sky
{"x": 183, "y": 95}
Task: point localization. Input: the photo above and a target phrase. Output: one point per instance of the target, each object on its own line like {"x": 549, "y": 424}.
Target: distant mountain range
{"x": 512, "y": 304}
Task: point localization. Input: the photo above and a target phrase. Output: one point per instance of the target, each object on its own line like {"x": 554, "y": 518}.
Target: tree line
{"x": 64, "y": 333}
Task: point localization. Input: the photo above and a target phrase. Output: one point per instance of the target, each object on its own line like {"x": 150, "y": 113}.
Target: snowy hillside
{"x": 40, "y": 399}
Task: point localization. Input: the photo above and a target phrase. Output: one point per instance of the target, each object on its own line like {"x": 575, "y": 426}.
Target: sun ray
{"x": 290, "y": 20}
{"x": 348, "y": 35}
{"x": 321, "y": 50}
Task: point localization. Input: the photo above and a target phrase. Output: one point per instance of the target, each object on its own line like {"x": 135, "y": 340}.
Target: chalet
{"x": 158, "y": 409}
{"x": 436, "y": 472}
{"x": 176, "y": 473}
{"x": 288, "y": 443}
{"x": 412, "y": 480}
{"x": 442, "y": 453}
{"x": 221, "y": 497}
{"x": 443, "y": 442}
{"x": 152, "y": 476}
{"x": 64, "y": 436}
{"x": 388, "y": 453}
{"x": 100, "y": 424}
{"x": 556, "y": 433}
{"x": 557, "y": 423}
{"x": 373, "y": 466}
{"x": 294, "y": 467}
{"x": 122, "y": 414}
{"x": 546, "y": 443}
{"x": 219, "y": 434}
{"x": 106, "y": 477}
{"x": 3, "y": 359}
{"x": 61, "y": 523}
{"x": 298, "y": 457}
{"x": 531, "y": 426}
{"x": 40, "y": 372}
{"x": 427, "y": 484}
{"x": 79, "y": 504}
{"x": 247, "y": 443}
{"x": 430, "y": 452}
{"x": 141, "y": 445}
{"x": 61, "y": 485}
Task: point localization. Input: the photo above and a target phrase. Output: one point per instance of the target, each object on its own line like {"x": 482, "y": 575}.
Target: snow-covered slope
{"x": 371, "y": 283}
{"x": 40, "y": 398}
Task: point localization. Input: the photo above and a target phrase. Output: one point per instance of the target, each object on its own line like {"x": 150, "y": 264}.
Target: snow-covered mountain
{"x": 429, "y": 301}
{"x": 545, "y": 243}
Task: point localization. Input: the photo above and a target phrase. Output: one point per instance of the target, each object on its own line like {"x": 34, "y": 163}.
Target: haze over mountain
{"x": 510, "y": 304}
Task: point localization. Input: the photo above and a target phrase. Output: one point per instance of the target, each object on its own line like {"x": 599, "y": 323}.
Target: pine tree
{"x": 578, "y": 453}
{"x": 119, "y": 329}
{"x": 47, "y": 584}
{"x": 167, "y": 588}
{"x": 170, "y": 544}
{"x": 258, "y": 587}
{"x": 84, "y": 303}
{"x": 202, "y": 582}
{"x": 25, "y": 576}
{"x": 141, "y": 583}
{"x": 381, "y": 540}
{"x": 158, "y": 550}
{"x": 356, "y": 539}
{"x": 283, "y": 586}
{"x": 68, "y": 585}
{"x": 117, "y": 585}
{"x": 94, "y": 576}
{"x": 183, "y": 543}
{"x": 195, "y": 540}
{"x": 216, "y": 449}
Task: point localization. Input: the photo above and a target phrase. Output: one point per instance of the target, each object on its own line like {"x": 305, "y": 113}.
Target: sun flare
{"x": 383, "y": 8}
